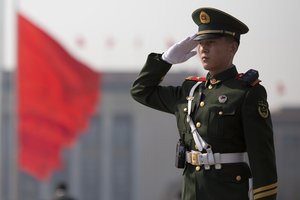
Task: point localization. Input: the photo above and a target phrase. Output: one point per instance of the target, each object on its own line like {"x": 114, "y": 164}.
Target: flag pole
{"x": 8, "y": 59}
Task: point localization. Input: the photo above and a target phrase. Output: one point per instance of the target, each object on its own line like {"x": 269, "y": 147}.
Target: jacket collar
{"x": 223, "y": 76}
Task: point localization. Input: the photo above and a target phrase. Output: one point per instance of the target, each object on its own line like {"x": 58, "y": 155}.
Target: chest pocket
{"x": 222, "y": 121}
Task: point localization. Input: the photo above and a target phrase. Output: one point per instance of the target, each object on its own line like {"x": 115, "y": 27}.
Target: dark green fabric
{"x": 239, "y": 128}
{"x": 212, "y": 22}
{"x": 218, "y": 20}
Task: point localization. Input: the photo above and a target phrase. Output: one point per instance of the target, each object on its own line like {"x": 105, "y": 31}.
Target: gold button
{"x": 196, "y": 147}
{"x": 185, "y": 109}
{"x": 220, "y": 113}
{"x": 202, "y": 103}
{"x": 238, "y": 178}
{"x": 198, "y": 168}
{"x": 198, "y": 124}
{"x": 210, "y": 87}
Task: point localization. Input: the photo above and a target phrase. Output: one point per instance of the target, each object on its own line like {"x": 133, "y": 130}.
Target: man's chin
{"x": 206, "y": 67}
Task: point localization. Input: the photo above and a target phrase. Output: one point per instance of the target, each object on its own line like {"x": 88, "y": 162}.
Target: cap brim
{"x": 207, "y": 36}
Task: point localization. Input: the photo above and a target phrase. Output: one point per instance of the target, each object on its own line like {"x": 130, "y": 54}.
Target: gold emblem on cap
{"x": 204, "y": 17}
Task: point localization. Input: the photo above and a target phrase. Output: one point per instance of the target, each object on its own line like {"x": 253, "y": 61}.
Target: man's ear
{"x": 234, "y": 47}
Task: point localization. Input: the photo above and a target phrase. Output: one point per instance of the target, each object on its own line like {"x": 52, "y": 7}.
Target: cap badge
{"x": 222, "y": 99}
{"x": 204, "y": 17}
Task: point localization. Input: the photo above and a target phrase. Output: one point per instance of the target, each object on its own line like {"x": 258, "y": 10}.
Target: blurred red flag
{"x": 56, "y": 96}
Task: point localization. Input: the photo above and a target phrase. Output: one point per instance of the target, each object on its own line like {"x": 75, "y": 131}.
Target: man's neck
{"x": 214, "y": 73}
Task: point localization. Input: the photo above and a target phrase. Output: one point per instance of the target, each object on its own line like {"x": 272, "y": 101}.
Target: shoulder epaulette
{"x": 250, "y": 77}
{"x": 195, "y": 78}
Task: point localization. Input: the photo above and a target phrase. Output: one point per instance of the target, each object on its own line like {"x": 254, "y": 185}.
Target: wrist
{"x": 164, "y": 58}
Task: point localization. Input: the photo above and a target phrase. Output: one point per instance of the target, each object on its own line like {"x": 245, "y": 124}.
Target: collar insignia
{"x": 214, "y": 81}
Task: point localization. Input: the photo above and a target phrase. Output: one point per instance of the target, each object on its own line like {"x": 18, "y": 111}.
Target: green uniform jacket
{"x": 231, "y": 116}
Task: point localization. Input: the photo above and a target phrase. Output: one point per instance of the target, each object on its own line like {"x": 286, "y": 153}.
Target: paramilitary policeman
{"x": 226, "y": 142}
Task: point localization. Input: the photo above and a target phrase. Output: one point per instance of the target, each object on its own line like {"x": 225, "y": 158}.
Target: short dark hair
{"x": 230, "y": 38}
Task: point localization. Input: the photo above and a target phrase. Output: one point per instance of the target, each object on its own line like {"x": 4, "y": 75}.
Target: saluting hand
{"x": 181, "y": 51}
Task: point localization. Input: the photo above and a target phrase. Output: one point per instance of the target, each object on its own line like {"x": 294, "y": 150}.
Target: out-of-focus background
{"x": 66, "y": 114}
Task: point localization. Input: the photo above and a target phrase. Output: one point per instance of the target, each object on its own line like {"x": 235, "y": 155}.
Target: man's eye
{"x": 207, "y": 42}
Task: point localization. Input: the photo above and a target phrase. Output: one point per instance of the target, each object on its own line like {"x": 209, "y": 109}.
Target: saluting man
{"x": 223, "y": 119}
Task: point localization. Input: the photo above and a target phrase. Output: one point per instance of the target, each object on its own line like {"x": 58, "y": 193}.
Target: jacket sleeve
{"x": 146, "y": 89}
{"x": 260, "y": 143}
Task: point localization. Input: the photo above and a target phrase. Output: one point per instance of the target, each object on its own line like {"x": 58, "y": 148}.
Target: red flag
{"x": 56, "y": 96}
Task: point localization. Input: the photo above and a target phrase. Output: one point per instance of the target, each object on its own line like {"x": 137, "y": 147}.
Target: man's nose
{"x": 203, "y": 48}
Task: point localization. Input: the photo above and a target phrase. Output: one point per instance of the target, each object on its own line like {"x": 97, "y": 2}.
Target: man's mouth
{"x": 204, "y": 58}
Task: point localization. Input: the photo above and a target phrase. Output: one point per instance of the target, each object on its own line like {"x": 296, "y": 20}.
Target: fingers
{"x": 181, "y": 51}
{"x": 194, "y": 36}
{"x": 190, "y": 54}
{"x": 190, "y": 42}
